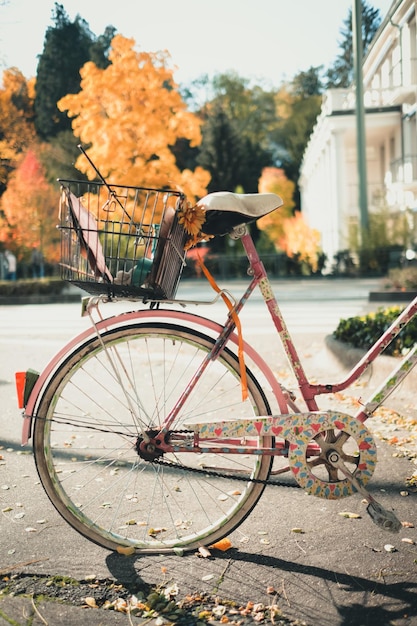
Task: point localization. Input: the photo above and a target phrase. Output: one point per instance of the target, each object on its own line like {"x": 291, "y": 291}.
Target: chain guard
{"x": 299, "y": 431}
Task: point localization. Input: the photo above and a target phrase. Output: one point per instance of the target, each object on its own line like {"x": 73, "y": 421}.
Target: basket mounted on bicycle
{"x": 121, "y": 241}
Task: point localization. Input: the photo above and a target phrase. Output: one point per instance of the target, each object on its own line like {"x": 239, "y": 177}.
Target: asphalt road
{"x": 335, "y": 572}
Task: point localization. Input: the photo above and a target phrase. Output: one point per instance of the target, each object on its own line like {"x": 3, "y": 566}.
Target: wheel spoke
{"x": 87, "y": 447}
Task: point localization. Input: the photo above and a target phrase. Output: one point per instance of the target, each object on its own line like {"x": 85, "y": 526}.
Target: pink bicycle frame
{"x": 308, "y": 390}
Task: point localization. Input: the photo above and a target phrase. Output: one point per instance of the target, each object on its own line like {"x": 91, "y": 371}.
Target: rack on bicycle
{"x": 121, "y": 241}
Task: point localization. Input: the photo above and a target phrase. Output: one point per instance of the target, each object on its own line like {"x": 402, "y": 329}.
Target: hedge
{"x": 364, "y": 330}
{"x": 42, "y": 287}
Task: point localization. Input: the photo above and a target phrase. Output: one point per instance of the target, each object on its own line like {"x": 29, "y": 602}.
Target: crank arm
{"x": 379, "y": 515}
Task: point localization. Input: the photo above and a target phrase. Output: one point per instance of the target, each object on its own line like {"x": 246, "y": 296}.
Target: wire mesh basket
{"x": 120, "y": 241}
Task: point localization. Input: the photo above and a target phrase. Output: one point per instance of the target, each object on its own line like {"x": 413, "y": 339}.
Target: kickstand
{"x": 386, "y": 520}
{"x": 383, "y": 518}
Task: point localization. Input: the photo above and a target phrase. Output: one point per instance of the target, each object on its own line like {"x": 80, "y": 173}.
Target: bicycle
{"x": 153, "y": 430}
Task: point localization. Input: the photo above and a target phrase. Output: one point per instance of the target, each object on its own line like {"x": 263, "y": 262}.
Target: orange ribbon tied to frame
{"x": 235, "y": 317}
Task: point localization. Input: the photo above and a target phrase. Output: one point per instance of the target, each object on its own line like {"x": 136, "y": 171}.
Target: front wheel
{"x": 87, "y": 430}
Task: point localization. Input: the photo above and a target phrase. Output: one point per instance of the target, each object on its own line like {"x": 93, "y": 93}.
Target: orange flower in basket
{"x": 192, "y": 218}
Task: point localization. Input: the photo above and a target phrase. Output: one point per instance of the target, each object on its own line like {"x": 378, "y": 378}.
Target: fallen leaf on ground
{"x": 223, "y": 544}
{"x": 350, "y": 515}
{"x": 390, "y": 548}
{"x": 204, "y": 552}
{"x": 126, "y": 550}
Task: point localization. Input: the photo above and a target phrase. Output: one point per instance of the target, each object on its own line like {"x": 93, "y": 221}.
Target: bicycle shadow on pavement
{"x": 328, "y": 596}
{"x": 318, "y": 595}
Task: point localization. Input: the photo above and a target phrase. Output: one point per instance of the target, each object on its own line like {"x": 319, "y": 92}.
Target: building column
{"x": 335, "y": 235}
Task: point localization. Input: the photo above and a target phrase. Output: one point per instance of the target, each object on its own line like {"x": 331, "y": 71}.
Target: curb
{"x": 348, "y": 356}
{"x": 392, "y": 296}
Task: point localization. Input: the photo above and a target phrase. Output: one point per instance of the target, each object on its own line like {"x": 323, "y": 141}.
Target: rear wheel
{"x": 87, "y": 436}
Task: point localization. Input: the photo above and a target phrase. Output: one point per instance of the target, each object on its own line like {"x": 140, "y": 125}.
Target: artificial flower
{"x": 192, "y": 219}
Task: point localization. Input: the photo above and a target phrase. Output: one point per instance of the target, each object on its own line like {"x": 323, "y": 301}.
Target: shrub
{"x": 45, "y": 286}
{"x": 402, "y": 279}
{"x": 364, "y": 330}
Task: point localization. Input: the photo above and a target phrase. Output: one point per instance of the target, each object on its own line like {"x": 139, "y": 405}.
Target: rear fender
{"x": 31, "y": 402}
{"x": 188, "y": 319}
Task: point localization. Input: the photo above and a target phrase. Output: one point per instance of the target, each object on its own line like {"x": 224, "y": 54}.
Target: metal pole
{"x": 360, "y": 115}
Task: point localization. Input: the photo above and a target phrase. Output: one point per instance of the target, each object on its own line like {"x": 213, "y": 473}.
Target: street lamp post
{"x": 360, "y": 116}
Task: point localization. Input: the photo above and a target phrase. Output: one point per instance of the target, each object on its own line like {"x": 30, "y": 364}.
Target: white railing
{"x": 404, "y": 170}
{"x": 344, "y": 99}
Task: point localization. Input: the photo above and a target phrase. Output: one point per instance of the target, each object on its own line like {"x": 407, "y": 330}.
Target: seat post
{"x": 308, "y": 391}
{"x": 253, "y": 256}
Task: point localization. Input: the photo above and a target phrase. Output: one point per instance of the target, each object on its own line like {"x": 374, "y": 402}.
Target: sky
{"x": 266, "y": 41}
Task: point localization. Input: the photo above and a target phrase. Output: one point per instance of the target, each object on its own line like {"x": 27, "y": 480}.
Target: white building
{"x": 329, "y": 176}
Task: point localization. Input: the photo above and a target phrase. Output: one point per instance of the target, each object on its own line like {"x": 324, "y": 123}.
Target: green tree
{"x": 251, "y": 108}
{"x": 67, "y": 47}
{"x": 58, "y": 157}
{"x": 340, "y": 74}
{"x": 298, "y": 105}
{"x": 308, "y": 82}
{"x": 253, "y": 160}
{"x": 295, "y": 133}
{"x": 221, "y": 151}
{"x": 100, "y": 48}
{"x": 238, "y": 122}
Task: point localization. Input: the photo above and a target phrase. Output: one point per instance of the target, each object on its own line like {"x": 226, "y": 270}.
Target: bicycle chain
{"x": 197, "y": 470}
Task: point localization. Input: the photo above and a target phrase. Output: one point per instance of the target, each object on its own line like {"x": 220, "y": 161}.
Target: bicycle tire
{"x": 85, "y": 431}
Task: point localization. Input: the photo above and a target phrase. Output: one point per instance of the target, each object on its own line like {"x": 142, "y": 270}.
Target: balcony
{"x": 404, "y": 171}
{"x": 345, "y": 99}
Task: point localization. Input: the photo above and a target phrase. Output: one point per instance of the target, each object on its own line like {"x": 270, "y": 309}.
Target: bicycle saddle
{"x": 225, "y": 210}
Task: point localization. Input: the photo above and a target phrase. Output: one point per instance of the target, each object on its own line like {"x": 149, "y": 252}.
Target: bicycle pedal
{"x": 383, "y": 518}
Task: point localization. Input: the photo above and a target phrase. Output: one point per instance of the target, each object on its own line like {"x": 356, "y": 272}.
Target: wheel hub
{"x": 149, "y": 447}
{"x": 333, "y": 457}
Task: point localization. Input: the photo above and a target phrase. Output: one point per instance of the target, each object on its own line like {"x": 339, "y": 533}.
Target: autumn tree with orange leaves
{"x": 29, "y": 212}
{"x": 301, "y": 242}
{"x": 17, "y": 130}
{"x": 273, "y": 180}
{"x": 129, "y": 114}
{"x": 289, "y": 232}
